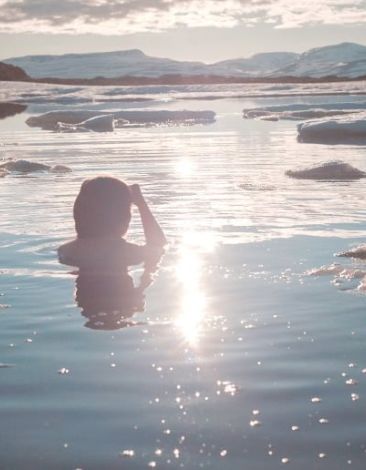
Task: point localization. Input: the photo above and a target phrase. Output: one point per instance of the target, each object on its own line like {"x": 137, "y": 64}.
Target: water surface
{"x": 239, "y": 360}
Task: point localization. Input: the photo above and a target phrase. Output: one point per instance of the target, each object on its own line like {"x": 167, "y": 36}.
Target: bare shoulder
{"x": 66, "y": 251}
{"x": 101, "y": 253}
{"x": 89, "y": 253}
{"x": 137, "y": 254}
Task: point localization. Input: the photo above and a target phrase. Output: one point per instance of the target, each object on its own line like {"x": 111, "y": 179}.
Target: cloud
{"x": 110, "y": 17}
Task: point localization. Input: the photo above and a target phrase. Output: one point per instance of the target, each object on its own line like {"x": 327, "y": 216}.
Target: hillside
{"x": 10, "y": 72}
{"x": 342, "y": 60}
{"x": 259, "y": 64}
{"x": 345, "y": 60}
{"x": 104, "y": 64}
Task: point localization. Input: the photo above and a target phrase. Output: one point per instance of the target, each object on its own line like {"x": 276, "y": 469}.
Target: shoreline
{"x": 186, "y": 80}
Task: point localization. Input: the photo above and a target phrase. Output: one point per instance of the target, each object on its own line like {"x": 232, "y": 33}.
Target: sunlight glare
{"x": 189, "y": 274}
{"x": 184, "y": 167}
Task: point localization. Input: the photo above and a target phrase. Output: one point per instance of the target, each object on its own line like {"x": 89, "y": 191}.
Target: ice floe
{"x": 97, "y": 120}
{"x": 344, "y": 277}
{"x": 338, "y": 130}
{"x": 257, "y": 187}
{"x": 338, "y": 270}
{"x": 103, "y": 123}
{"x": 300, "y": 111}
{"x": 358, "y": 252}
{"x": 25, "y": 167}
{"x": 330, "y": 123}
{"x": 335, "y": 170}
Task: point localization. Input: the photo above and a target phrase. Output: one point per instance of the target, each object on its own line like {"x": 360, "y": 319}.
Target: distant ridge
{"x": 345, "y": 60}
{"x": 104, "y": 64}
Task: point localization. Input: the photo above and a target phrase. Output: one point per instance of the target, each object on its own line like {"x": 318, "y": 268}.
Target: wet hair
{"x": 102, "y": 208}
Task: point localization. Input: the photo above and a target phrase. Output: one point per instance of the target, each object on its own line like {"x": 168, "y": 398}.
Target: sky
{"x": 205, "y": 30}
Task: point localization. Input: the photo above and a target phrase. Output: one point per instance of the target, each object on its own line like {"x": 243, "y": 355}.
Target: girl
{"x": 102, "y": 214}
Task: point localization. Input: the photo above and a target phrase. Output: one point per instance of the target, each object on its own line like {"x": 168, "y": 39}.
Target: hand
{"x": 136, "y": 195}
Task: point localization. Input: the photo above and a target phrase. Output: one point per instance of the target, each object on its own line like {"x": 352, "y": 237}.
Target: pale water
{"x": 239, "y": 359}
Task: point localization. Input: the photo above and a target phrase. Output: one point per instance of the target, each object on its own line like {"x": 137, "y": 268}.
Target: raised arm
{"x": 154, "y": 235}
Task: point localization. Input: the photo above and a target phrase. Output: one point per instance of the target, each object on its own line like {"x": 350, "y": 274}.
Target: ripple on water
{"x": 278, "y": 346}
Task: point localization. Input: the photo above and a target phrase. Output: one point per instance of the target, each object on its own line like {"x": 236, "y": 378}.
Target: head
{"x": 102, "y": 208}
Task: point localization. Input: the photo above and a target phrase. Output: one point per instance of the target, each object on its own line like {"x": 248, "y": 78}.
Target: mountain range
{"x": 346, "y": 60}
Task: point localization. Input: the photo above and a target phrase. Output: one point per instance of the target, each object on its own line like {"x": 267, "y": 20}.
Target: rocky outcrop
{"x": 12, "y": 73}
{"x": 11, "y": 109}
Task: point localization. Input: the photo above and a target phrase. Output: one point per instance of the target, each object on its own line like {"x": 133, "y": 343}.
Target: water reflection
{"x": 189, "y": 271}
{"x": 108, "y": 300}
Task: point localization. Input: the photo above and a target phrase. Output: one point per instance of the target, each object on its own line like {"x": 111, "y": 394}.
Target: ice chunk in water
{"x": 61, "y": 120}
{"x": 103, "y": 123}
{"x": 343, "y": 129}
{"x": 358, "y": 252}
{"x": 26, "y": 166}
{"x": 334, "y": 170}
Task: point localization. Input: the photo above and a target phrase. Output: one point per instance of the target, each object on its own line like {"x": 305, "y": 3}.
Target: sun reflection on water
{"x": 189, "y": 270}
{"x": 184, "y": 167}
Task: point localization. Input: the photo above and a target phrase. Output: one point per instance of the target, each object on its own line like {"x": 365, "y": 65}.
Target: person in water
{"x": 102, "y": 214}
{"x": 105, "y": 292}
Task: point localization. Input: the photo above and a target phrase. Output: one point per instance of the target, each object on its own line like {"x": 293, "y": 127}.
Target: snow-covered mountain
{"x": 259, "y": 64}
{"x": 135, "y": 63}
{"x": 343, "y": 60}
{"x": 104, "y": 64}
